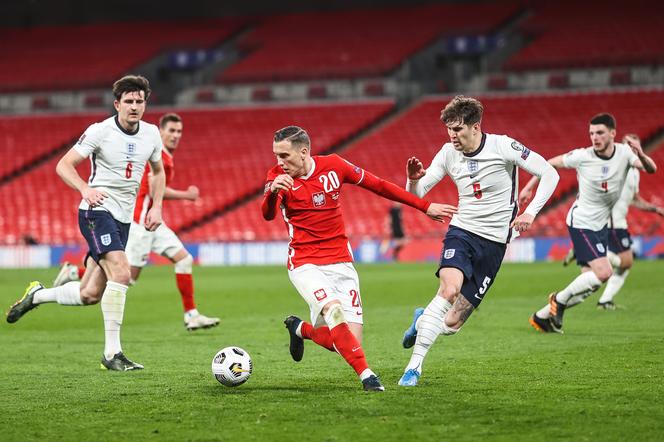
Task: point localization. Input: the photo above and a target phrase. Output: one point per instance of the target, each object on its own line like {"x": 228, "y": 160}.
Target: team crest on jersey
{"x": 320, "y": 294}
{"x": 318, "y": 198}
{"x": 518, "y": 146}
{"x": 472, "y": 166}
{"x": 131, "y": 148}
{"x": 600, "y": 247}
{"x": 605, "y": 170}
{"x": 80, "y": 140}
{"x": 105, "y": 239}
{"x": 625, "y": 242}
{"x": 449, "y": 253}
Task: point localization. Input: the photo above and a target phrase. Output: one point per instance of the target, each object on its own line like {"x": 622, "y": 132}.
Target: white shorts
{"x": 319, "y": 285}
{"x": 141, "y": 242}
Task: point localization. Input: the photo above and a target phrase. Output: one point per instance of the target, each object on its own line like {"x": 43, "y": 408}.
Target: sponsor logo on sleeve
{"x": 525, "y": 153}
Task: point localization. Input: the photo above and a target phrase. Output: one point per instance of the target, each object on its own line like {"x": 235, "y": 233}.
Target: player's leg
{"x": 166, "y": 243}
{"x": 431, "y": 322}
{"x": 620, "y": 244}
{"x": 68, "y": 273}
{"x": 590, "y": 249}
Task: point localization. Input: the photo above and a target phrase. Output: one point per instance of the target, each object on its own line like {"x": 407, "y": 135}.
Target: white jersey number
{"x": 330, "y": 181}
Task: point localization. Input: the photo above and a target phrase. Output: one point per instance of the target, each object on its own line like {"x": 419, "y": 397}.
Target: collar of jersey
{"x": 602, "y": 157}
{"x": 311, "y": 172}
{"x": 117, "y": 123}
{"x": 479, "y": 149}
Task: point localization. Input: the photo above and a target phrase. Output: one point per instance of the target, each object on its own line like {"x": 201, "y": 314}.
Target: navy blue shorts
{"x": 478, "y": 258}
{"x": 619, "y": 240}
{"x": 588, "y": 244}
{"x": 102, "y": 232}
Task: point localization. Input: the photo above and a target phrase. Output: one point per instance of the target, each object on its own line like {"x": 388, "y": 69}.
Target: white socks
{"x": 613, "y": 285}
{"x": 112, "y": 308}
{"x": 68, "y": 294}
{"x": 429, "y": 326}
{"x": 585, "y": 283}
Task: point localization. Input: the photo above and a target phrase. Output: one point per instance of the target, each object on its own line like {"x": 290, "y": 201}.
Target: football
{"x": 232, "y": 366}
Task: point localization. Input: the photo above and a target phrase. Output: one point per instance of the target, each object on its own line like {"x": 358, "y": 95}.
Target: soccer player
{"x": 119, "y": 148}
{"x": 307, "y": 190}
{"x": 163, "y": 240}
{"x": 620, "y": 252}
{"x": 484, "y": 168}
{"x": 601, "y": 170}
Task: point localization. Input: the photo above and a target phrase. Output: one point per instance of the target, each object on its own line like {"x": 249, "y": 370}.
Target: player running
{"x": 601, "y": 170}
{"x": 484, "y": 168}
{"x": 119, "y": 148}
{"x": 307, "y": 190}
{"x": 163, "y": 240}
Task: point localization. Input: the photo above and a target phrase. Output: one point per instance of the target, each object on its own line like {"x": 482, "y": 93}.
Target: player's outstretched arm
{"x": 419, "y": 182}
{"x": 548, "y": 178}
{"x": 66, "y": 169}
{"x": 527, "y": 192}
{"x": 192, "y": 193}
{"x": 642, "y": 204}
{"x": 388, "y": 190}
{"x": 158, "y": 184}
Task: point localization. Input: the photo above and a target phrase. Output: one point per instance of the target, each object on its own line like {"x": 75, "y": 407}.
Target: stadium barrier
{"x": 274, "y": 253}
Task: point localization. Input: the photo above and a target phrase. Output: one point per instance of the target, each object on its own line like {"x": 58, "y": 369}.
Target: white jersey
{"x": 601, "y": 181}
{"x": 118, "y": 161}
{"x": 487, "y": 182}
{"x": 618, "y": 218}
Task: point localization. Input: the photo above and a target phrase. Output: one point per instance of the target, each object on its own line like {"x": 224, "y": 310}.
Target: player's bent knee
{"x": 449, "y": 330}
{"x": 184, "y": 265}
{"x": 334, "y": 314}
{"x": 90, "y": 297}
{"x": 604, "y": 274}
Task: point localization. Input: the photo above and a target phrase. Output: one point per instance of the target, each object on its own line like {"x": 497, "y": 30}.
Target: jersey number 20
{"x": 330, "y": 181}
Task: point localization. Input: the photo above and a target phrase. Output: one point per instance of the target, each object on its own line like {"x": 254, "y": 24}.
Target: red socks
{"x": 185, "y": 284}
{"x": 81, "y": 272}
{"x": 320, "y": 335}
{"x": 348, "y": 347}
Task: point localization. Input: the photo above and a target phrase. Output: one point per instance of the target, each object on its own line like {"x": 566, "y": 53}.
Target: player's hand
{"x": 439, "y": 212}
{"x": 282, "y": 182}
{"x": 635, "y": 144}
{"x": 523, "y": 222}
{"x": 93, "y": 197}
{"x": 193, "y": 193}
{"x": 153, "y": 219}
{"x": 524, "y": 196}
{"x": 415, "y": 169}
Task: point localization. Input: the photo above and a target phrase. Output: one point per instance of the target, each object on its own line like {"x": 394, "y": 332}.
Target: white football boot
{"x": 200, "y": 321}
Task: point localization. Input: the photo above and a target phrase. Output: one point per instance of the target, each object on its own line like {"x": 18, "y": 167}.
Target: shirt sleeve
{"x": 158, "y": 147}
{"x": 351, "y": 173}
{"x": 271, "y": 201}
{"x": 632, "y": 157}
{"x": 434, "y": 173}
{"x": 536, "y": 165}
{"x": 574, "y": 158}
{"x": 90, "y": 141}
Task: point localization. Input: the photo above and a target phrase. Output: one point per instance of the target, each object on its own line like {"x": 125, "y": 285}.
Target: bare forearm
{"x": 648, "y": 163}
{"x": 174, "y": 194}
{"x": 158, "y": 188}
{"x": 70, "y": 176}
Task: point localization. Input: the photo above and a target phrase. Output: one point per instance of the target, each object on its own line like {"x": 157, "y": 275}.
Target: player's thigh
{"x": 139, "y": 245}
{"x": 93, "y": 283}
{"x": 451, "y": 281}
{"x": 116, "y": 266}
{"x": 314, "y": 287}
{"x": 166, "y": 243}
{"x": 346, "y": 283}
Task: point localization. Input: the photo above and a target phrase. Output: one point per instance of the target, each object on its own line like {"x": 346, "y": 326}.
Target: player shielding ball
{"x": 306, "y": 189}
{"x": 119, "y": 148}
{"x": 601, "y": 170}
{"x": 162, "y": 241}
{"x": 484, "y": 168}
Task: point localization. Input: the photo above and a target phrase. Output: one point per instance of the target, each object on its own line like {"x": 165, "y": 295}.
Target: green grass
{"x": 496, "y": 379}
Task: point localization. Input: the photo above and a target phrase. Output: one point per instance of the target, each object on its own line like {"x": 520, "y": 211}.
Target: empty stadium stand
{"x": 95, "y": 55}
{"x": 356, "y": 43}
{"x": 571, "y": 34}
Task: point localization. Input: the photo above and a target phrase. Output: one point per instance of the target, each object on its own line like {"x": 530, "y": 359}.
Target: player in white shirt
{"x": 484, "y": 168}
{"x": 119, "y": 148}
{"x": 601, "y": 171}
{"x": 620, "y": 252}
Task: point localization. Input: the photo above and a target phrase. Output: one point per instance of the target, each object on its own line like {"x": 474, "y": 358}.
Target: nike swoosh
{"x": 295, "y": 188}
{"x": 356, "y": 349}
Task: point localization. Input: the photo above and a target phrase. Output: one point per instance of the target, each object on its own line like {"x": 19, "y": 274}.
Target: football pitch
{"x": 497, "y": 379}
